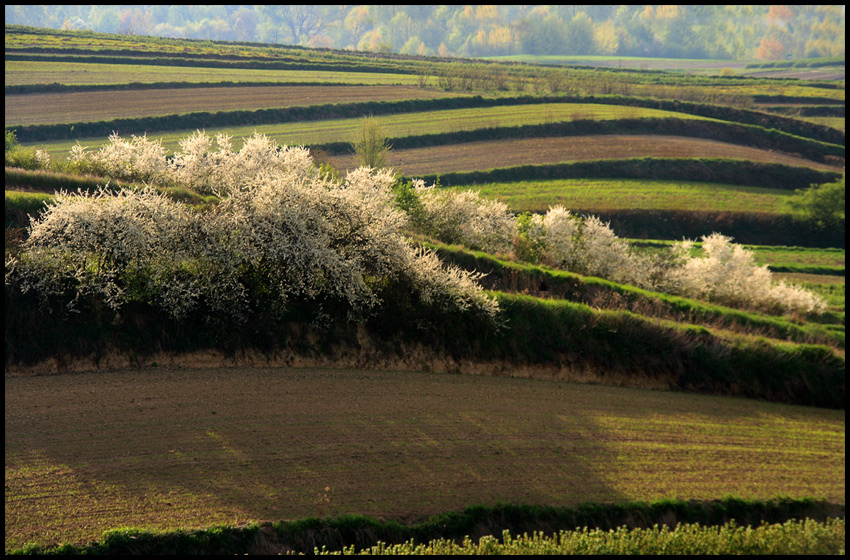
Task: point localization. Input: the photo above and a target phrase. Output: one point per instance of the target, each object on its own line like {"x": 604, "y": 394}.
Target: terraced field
{"x": 394, "y": 126}
{"x": 594, "y": 195}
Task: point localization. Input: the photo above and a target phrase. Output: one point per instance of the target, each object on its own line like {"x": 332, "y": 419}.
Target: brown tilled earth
{"x": 50, "y": 108}
{"x": 163, "y": 447}
{"x": 530, "y": 151}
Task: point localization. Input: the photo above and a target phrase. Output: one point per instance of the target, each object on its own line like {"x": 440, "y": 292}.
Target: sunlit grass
{"x": 615, "y": 194}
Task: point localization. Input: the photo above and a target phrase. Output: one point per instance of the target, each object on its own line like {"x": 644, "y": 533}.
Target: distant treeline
{"x": 197, "y": 120}
{"x": 727, "y": 32}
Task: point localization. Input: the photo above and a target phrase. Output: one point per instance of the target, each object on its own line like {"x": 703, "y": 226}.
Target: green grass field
{"x": 608, "y": 194}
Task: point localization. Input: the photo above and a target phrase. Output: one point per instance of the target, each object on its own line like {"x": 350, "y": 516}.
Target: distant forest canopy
{"x": 720, "y": 32}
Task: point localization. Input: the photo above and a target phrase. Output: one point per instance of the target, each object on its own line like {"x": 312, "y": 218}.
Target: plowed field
{"x": 166, "y": 448}
{"x": 49, "y": 108}
{"x": 531, "y": 151}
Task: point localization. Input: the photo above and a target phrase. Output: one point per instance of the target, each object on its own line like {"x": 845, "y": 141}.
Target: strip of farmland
{"x": 159, "y": 448}
{"x": 615, "y": 194}
{"x": 46, "y": 108}
{"x": 528, "y": 151}
{"x": 20, "y": 72}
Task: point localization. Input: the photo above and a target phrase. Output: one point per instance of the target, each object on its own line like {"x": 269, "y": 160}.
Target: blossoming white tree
{"x": 303, "y": 234}
{"x": 467, "y": 218}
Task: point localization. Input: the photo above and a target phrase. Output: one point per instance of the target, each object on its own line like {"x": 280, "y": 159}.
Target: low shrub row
{"x": 708, "y": 170}
{"x": 754, "y": 229}
{"x": 305, "y": 536}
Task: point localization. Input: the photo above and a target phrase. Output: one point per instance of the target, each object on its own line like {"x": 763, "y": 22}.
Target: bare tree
{"x": 303, "y": 21}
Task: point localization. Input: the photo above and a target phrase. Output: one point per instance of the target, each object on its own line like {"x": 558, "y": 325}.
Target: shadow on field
{"x": 193, "y": 447}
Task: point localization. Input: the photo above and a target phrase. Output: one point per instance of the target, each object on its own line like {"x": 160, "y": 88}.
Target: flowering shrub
{"x": 587, "y": 246}
{"x": 467, "y": 218}
{"x": 115, "y": 246}
{"x": 284, "y": 228}
{"x": 728, "y": 274}
{"x": 138, "y": 159}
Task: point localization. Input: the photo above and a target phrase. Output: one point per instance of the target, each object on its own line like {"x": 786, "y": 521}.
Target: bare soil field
{"x": 20, "y": 72}
{"x": 51, "y": 108}
{"x": 163, "y": 448}
{"x": 530, "y": 151}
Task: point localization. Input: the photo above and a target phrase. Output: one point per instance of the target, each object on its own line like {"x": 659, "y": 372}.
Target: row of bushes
{"x": 555, "y": 333}
{"x": 753, "y": 229}
{"x": 810, "y": 63}
{"x": 513, "y": 277}
{"x": 305, "y": 536}
{"x": 779, "y": 98}
{"x": 703, "y": 170}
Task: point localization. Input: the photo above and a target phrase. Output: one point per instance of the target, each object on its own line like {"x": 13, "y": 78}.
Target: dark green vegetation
{"x": 556, "y": 324}
{"x": 333, "y": 534}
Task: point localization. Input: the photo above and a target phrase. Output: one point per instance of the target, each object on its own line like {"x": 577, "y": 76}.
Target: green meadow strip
{"x": 359, "y": 533}
{"x": 20, "y": 206}
{"x": 612, "y": 194}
